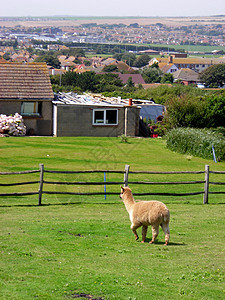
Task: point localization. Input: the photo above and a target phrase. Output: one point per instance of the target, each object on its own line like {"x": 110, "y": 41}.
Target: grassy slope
{"x": 48, "y": 252}
{"x": 52, "y": 252}
{"x": 102, "y": 154}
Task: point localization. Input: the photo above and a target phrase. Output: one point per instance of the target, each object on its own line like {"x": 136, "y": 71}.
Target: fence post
{"x": 41, "y": 183}
{"x": 206, "y": 185}
{"x": 127, "y": 167}
{"x": 105, "y": 184}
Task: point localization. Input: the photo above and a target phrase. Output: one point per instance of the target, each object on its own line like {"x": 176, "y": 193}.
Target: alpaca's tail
{"x": 166, "y": 217}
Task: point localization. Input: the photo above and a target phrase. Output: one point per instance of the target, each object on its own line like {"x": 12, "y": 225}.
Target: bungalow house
{"x": 26, "y": 89}
{"x": 186, "y": 76}
{"x": 96, "y": 115}
{"x": 89, "y": 115}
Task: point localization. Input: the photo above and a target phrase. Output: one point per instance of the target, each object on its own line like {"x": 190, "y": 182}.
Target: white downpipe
{"x": 125, "y": 127}
{"x": 54, "y": 120}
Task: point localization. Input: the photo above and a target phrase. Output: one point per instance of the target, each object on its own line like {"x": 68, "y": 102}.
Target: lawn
{"x": 77, "y": 245}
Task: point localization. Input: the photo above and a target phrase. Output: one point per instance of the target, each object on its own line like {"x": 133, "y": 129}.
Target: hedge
{"x": 197, "y": 142}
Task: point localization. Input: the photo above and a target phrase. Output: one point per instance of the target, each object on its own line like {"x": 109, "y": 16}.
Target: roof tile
{"x": 25, "y": 81}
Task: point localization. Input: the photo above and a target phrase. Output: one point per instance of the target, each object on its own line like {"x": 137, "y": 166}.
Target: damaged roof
{"x": 96, "y": 99}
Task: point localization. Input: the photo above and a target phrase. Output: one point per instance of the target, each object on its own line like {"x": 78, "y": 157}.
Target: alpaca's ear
{"x": 122, "y": 189}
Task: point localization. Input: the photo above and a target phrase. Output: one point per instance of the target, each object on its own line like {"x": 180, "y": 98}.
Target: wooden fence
{"x": 125, "y": 182}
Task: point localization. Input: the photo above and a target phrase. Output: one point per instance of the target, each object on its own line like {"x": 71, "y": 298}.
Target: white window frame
{"x": 104, "y": 123}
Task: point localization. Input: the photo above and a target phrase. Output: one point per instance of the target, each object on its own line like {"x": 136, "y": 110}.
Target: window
{"x": 31, "y": 108}
{"x": 105, "y": 116}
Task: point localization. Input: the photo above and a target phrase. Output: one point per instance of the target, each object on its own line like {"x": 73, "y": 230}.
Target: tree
{"x": 186, "y": 111}
{"x": 87, "y": 81}
{"x": 154, "y": 65}
{"x": 213, "y": 76}
{"x": 87, "y": 62}
{"x": 216, "y": 110}
{"x": 69, "y": 78}
{"x": 50, "y": 60}
{"x": 77, "y": 52}
{"x": 141, "y": 61}
{"x": 110, "y": 68}
{"x": 108, "y": 82}
{"x": 167, "y": 78}
{"x": 118, "y": 56}
{"x": 129, "y": 58}
{"x": 151, "y": 75}
{"x": 6, "y": 56}
{"x": 130, "y": 82}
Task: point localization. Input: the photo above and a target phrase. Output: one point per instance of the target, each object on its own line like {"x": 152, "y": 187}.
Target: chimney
{"x": 130, "y": 102}
{"x": 170, "y": 59}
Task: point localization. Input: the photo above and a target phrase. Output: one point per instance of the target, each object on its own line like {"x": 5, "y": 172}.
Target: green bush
{"x": 197, "y": 142}
{"x": 186, "y": 111}
{"x": 196, "y": 111}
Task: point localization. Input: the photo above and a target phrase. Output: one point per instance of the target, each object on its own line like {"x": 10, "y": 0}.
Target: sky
{"x": 141, "y": 8}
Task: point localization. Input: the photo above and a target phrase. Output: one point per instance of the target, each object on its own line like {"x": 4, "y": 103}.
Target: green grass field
{"x": 83, "y": 245}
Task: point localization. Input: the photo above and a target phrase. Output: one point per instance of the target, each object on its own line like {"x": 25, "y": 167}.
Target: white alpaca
{"x": 145, "y": 213}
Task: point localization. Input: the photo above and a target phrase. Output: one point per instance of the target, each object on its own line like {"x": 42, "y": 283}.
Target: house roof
{"x": 186, "y": 75}
{"x": 150, "y": 51}
{"x": 165, "y": 67}
{"x": 136, "y": 78}
{"x": 25, "y": 81}
{"x": 84, "y": 68}
{"x": 2, "y": 59}
{"x": 108, "y": 61}
{"x": 192, "y": 60}
{"x": 122, "y": 66}
{"x": 97, "y": 100}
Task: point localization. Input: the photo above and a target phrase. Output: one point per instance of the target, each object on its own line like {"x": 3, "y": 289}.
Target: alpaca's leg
{"x": 133, "y": 228}
{"x": 166, "y": 230}
{"x": 155, "y": 232}
{"x": 144, "y": 233}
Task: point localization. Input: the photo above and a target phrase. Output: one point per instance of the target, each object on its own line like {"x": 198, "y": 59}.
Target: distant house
{"x": 167, "y": 68}
{"x": 186, "y": 76}
{"x": 26, "y": 89}
{"x": 121, "y": 65}
{"x": 197, "y": 64}
{"x": 108, "y": 61}
{"x": 53, "y": 71}
{"x": 150, "y": 52}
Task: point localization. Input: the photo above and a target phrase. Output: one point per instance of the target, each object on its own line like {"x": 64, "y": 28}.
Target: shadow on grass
{"x": 58, "y": 204}
{"x": 162, "y": 243}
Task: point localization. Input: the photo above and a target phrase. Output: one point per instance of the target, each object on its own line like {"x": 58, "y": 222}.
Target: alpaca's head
{"x": 125, "y": 191}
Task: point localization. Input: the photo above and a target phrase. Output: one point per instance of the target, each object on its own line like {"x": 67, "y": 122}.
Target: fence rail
{"x": 125, "y": 182}
{"x": 19, "y": 173}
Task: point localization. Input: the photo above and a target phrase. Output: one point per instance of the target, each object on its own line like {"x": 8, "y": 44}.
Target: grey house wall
{"x": 77, "y": 120}
{"x": 38, "y": 125}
